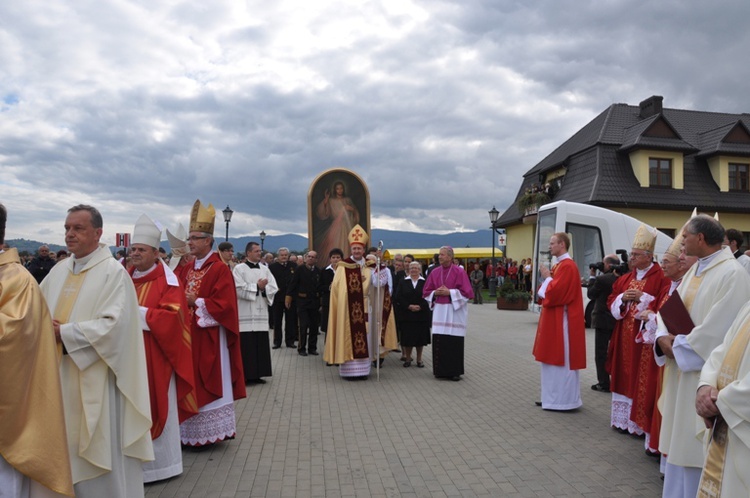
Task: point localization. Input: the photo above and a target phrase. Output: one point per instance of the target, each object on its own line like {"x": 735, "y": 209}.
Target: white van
{"x": 594, "y": 233}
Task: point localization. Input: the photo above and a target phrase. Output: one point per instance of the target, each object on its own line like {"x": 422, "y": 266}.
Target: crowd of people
{"x": 670, "y": 346}
{"x": 153, "y": 350}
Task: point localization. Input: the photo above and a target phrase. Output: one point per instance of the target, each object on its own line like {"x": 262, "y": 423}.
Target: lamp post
{"x": 262, "y": 238}
{"x": 227, "y": 218}
{"x": 494, "y": 213}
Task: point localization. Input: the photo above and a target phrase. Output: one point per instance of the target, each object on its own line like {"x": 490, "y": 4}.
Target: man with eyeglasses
{"x": 631, "y": 294}
{"x": 713, "y": 291}
{"x": 211, "y": 296}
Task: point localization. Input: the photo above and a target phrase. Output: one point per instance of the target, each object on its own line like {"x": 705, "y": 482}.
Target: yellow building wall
{"x": 639, "y": 162}
{"x": 520, "y": 242}
{"x": 676, "y": 219}
{"x": 719, "y": 166}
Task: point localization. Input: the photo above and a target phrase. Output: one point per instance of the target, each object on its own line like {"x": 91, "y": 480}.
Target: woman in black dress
{"x": 415, "y": 314}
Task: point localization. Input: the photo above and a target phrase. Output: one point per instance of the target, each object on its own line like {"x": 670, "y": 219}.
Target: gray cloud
{"x": 439, "y": 106}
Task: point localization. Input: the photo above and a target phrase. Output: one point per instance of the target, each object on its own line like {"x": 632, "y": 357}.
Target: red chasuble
{"x": 215, "y": 284}
{"x": 564, "y": 290}
{"x": 626, "y": 358}
{"x": 168, "y": 346}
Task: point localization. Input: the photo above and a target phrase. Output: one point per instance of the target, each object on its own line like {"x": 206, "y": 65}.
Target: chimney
{"x": 651, "y": 106}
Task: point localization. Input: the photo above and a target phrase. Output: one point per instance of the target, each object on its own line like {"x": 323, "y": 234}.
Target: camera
{"x": 597, "y": 266}
{"x": 623, "y": 267}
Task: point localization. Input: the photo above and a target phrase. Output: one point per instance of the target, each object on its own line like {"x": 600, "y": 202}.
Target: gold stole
{"x": 713, "y": 470}
{"x": 691, "y": 292}
{"x": 66, "y": 301}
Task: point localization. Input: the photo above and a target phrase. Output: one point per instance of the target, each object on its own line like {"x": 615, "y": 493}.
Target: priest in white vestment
{"x": 713, "y": 291}
{"x": 103, "y": 369}
{"x": 723, "y": 401}
{"x": 256, "y": 289}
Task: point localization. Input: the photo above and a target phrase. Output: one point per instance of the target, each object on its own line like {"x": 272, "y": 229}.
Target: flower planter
{"x": 519, "y": 304}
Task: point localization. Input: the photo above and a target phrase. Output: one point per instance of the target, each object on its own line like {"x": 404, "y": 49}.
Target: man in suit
{"x": 304, "y": 288}
{"x": 282, "y": 271}
{"x": 600, "y": 287}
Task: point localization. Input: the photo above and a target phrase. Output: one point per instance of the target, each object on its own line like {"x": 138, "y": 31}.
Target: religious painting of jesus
{"x": 337, "y": 200}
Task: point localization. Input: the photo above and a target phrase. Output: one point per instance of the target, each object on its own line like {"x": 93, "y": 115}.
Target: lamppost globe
{"x": 227, "y": 218}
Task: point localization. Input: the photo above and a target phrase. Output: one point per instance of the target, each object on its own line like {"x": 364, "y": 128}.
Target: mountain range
{"x": 296, "y": 243}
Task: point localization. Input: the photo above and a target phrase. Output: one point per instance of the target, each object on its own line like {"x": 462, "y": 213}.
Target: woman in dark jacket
{"x": 415, "y": 314}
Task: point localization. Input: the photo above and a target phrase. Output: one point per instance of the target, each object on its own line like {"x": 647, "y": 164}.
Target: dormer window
{"x": 659, "y": 172}
{"x": 738, "y": 176}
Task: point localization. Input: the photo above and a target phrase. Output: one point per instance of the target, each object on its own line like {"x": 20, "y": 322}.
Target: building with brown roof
{"x": 649, "y": 162}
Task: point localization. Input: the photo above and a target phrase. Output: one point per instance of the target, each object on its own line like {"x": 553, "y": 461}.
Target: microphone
{"x": 380, "y": 245}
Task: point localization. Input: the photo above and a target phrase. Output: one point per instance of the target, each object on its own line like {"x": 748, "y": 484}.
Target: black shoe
{"x": 538, "y": 403}
{"x": 302, "y": 353}
{"x": 276, "y": 347}
{"x": 314, "y": 353}
{"x": 456, "y": 378}
{"x": 600, "y": 388}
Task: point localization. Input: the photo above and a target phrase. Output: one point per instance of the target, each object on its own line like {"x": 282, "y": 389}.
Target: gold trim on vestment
{"x": 713, "y": 470}
{"x": 67, "y": 300}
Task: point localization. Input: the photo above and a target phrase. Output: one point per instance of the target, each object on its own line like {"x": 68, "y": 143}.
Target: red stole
{"x": 168, "y": 346}
{"x": 215, "y": 284}
{"x": 563, "y": 291}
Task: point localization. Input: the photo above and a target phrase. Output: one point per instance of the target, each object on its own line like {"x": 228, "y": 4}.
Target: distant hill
{"x": 393, "y": 239}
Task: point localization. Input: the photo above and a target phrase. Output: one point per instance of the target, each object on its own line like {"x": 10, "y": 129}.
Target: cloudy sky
{"x": 440, "y": 106}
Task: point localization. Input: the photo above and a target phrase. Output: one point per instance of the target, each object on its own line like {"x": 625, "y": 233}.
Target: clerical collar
{"x": 80, "y": 263}
{"x": 199, "y": 262}
{"x": 563, "y": 257}
{"x": 252, "y": 265}
{"x": 139, "y": 274}
{"x": 360, "y": 262}
{"x": 639, "y": 274}
{"x": 704, "y": 262}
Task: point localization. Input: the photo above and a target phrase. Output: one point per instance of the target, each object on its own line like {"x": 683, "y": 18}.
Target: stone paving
{"x": 307, "y": 432}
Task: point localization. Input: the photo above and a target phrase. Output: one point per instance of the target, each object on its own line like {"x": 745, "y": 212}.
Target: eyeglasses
{"x": 639, "y": 254}
{"x": 193, "y": 238}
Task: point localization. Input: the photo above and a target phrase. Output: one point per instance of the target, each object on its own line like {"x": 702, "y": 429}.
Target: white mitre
{"x": 146, "y": 232}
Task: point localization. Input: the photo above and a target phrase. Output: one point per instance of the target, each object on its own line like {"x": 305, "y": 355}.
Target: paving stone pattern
{"x": 307, "y": 432}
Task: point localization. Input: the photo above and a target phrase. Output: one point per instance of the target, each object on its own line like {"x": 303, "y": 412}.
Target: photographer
{"x": 599, "y": 289}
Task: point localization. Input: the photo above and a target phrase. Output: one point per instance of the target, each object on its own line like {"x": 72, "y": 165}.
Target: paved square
{"x": 308, "y": 432}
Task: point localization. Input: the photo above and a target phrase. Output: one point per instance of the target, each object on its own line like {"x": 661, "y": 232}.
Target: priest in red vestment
{"x": 560, "y": 343}
{"x": 166, "y": 334}
{"x": 631, "y": 364}
{"x": 217, "y": 361}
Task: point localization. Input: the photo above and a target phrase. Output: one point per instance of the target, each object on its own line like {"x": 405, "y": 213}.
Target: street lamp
{"x": 262, "y": 238}
{"x": 227, "y": 217}
{"x": 494, "y": 213}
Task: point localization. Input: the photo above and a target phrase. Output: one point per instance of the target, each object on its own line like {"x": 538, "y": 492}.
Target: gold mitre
{"x": 645, "y": 239}
{"x": 202, "y": 218}
{"x": 147, "y": 232}
{"x": 675, "y": 248}
{"x": 358, "y": 236}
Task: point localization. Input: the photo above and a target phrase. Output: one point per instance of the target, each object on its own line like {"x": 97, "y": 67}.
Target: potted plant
{"x": 510, "y": 298}
{"x": 530, "y": 202}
